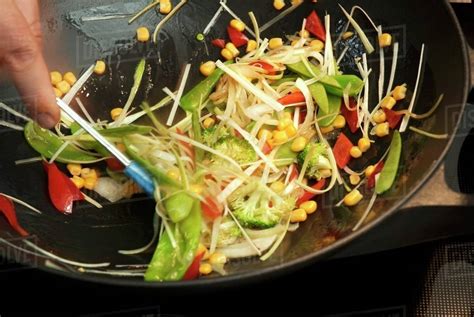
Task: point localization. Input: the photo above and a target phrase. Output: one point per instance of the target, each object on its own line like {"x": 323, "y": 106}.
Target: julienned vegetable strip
{"x": 166, "y": 19}
{"x": 368, "y": 46}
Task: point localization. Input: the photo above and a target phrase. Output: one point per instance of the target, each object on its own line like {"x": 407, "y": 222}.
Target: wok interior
{"x": 92, "y": 235}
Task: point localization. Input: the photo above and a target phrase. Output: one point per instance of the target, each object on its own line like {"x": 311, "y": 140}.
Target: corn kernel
{"x": 385, "y": 40}
{"x": 115, "y": 113}
{"x": 227, "y": 54}
{"x": 57, "y": 92}
{"x": 288, "y": 115}
{"x": 364, "y": 144}
{"x": 280, "y": 137}
{"x": 56, "y": 78}
{"x": 201, "y": 249}
{"x": 353, "y": 198}
{"x": 174, "y": 173}
{"x": 121, "y": 147}
{"x": 208, "y": 123}
{"x": 70, "y": 78}
{"x": 298, "y": 215}
{"x": 339, "y": 122}
{"x": 99, "y": 68}
{"x": 78, "y": 181}
{"x": 264, "y": 133}
{"x": 347, "y": 35}
{"x": 399, "y": 93}
{"x": 251, "y": 46}
{"x": 89, "y": 173}
{"x": 369, "y": 170}
{"x": 143, "y": 34}
{"x": 382, "y": 129}
{"x": 296, "y": 2}
{"x": 207, "y": 68}
{"x": 74, "y": 169}
{"x": 354, "y": 179}
{"x": 205, "y": 269}
{"x": 231, "y": 47}
{"x": 217, "y": 258}
{"x": 196, "y": 188}
{"x": 309, "y": 206}
{"x": 277, "y": 187}
{"x": 299, "y": 144}
{"x": 284, "y": 123}
{"x": 326, "y": 130}
{"x": 238, "y": 25}
{"x": 388, "y": 102}
{"x": 356, "y": 152}
{"x": 275, "y": 43}
{"x": 89, "y": 183}
{"x": 325, "y": 173}
{"x": 379, "y": 116}
{"x": 63, "y": 87}
{"x": 165, "y": 6}
{"x": 278, "y": 4}
{"x": 304, "y": 34}
{"x": 291, "y": 131}
{"x": 317, "y": 45}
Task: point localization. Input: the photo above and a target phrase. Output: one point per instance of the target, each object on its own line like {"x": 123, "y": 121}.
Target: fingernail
{"x": 45, "y": 120}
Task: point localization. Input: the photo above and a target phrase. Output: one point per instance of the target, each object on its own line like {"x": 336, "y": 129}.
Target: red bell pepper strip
{"x": 8, "y": 210}
{"x": 295, "y": 97}
{"x": 269, "y": 70}
{"x": 307, "y": 195}
{"x": 220, "y": 43}
{"x": 350, "y": 116}
{"x": 342, "y": 150}
{"x": 114, "y": 165}
{"x": 211, "y": 208}
{"x": 236, "y": 37}
{"x": 393, "y": 118}
{"x": 315, "y": 26}
{"x": 193, "y": 271}
{"x": 188, "y": 147}
{"x": 267, "y": 148}
{"x": 371, "y": 178}
{"x": 62, "y": 191}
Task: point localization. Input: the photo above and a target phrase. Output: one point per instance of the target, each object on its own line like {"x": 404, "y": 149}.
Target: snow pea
{"x": 285, "y": 156}
{"x": 47, "y": 144}
{"x": 171, "y": 263}
{"x": 117, "y": 132}
{"x": 320, "y": 96}
{"x": 178, "y": 206}
{"x": 389, "y": 172}
{"x": 284, "y": 80}
{"x": 334, "y": 107}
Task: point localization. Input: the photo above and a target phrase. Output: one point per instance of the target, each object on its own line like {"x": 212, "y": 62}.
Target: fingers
{"x": 31, "y": 12}
{"x": 21, "y": 56}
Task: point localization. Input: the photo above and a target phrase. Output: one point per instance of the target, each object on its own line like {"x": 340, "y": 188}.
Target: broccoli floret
{"x": 256, "y": 207}
{"x": 237, "y": 149}
{"x": 211, "y": 135}
{"x": 318, "y": 160}
{"x": 229, "y": 232}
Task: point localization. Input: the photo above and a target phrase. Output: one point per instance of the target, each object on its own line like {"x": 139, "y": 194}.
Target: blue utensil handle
{"x": 141, "y": 177}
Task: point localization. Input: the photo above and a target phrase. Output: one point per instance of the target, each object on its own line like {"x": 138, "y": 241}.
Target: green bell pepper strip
{"x": 389, "y": 172}
{"x": 285, "y": 156}
{"x": 178, "y": 206}
{"x": 334, "y": 107}
{"x": 169, "y": 263}
{"x": 47, "y": 144}
{"x": 320, "y": 96}
{"x": 157, "y": 173}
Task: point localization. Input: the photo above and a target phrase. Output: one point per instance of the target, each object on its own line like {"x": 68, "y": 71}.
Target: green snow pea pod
{"x": 390, "y": 169}
{"x": 178, "y": 206}
{"x": 285, "y": 156}
{"x": 320, "y": 96}
{"x": 334, "y": 107}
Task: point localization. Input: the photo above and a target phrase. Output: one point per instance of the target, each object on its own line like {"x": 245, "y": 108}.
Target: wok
{"x": 76, "y": 34}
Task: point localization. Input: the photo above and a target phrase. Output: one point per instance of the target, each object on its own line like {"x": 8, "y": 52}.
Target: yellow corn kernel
{"x": 356, "y": 152}
{"x": 238, "y": 25}
{"x": 388, "y": 102}
{"x": 277, "y": 187}
{"x": 325, "y": 173}
{"x": 278, "y": 4}
{"x": 70, "y": 78}
{"x": 399, "y": 93}
{"x": 207, "y": 68}
{"x": 364, "y": 144}
{"x": 56, "y": 78}
{"x": 251, "y": 46}
{"x": 89, "y": 183}
{"x": 339, "y": 122}
{"x": 304, "y": 34}
{"x": 231, "y": 47}
{"x": 353, "y": 198}
{"x": 165, "y": 6}
{"x": 317, "y": 45}
{"x": 143, "y": 34}
{"x": 208, "y": 123}
{"x": 174, "y": 173}
{"x": 196, "y": 188}
{"x": 201, "y": 249}
{"x": 74, "y": 169}
{"x": 63, "y": 87}
{"x": 89, "y": 173}
{"x": 385, "y": 40}
{"x": 121, "y": 147}
{"x": 288, "y": 115}
{"x": 309, "y": 206}
{"x": 298, "y": 215}
{"x": 280, "y": 137}
{"x": 264, "y": 133}
{"x": 382, "y": 129}
{"x": 78, "y": 181}
{"x": 347, "y": 35}
{"x": 227, "y": 54}
{"x": 354, "y": 179}
{"x": 299, "y": 144}
{"x": 57, "y": 92}
{"x": 291, "y": 131}
{"x": 379, "y": 116}
{"x": 115, "y": 113}
{"x": 284, "y": 123}
{"x": 296, "y": 2}
{"x": 205, "y": 269}
{"x": 326, "y": 130}
{"x": 99, "y": 68}
{"x": 369, "y": 170}
{"x": 275, "y": 43}
{"x": 217, "y": 258}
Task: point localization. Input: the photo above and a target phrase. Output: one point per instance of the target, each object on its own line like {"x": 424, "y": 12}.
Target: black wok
{"x": 74, "y": 38}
